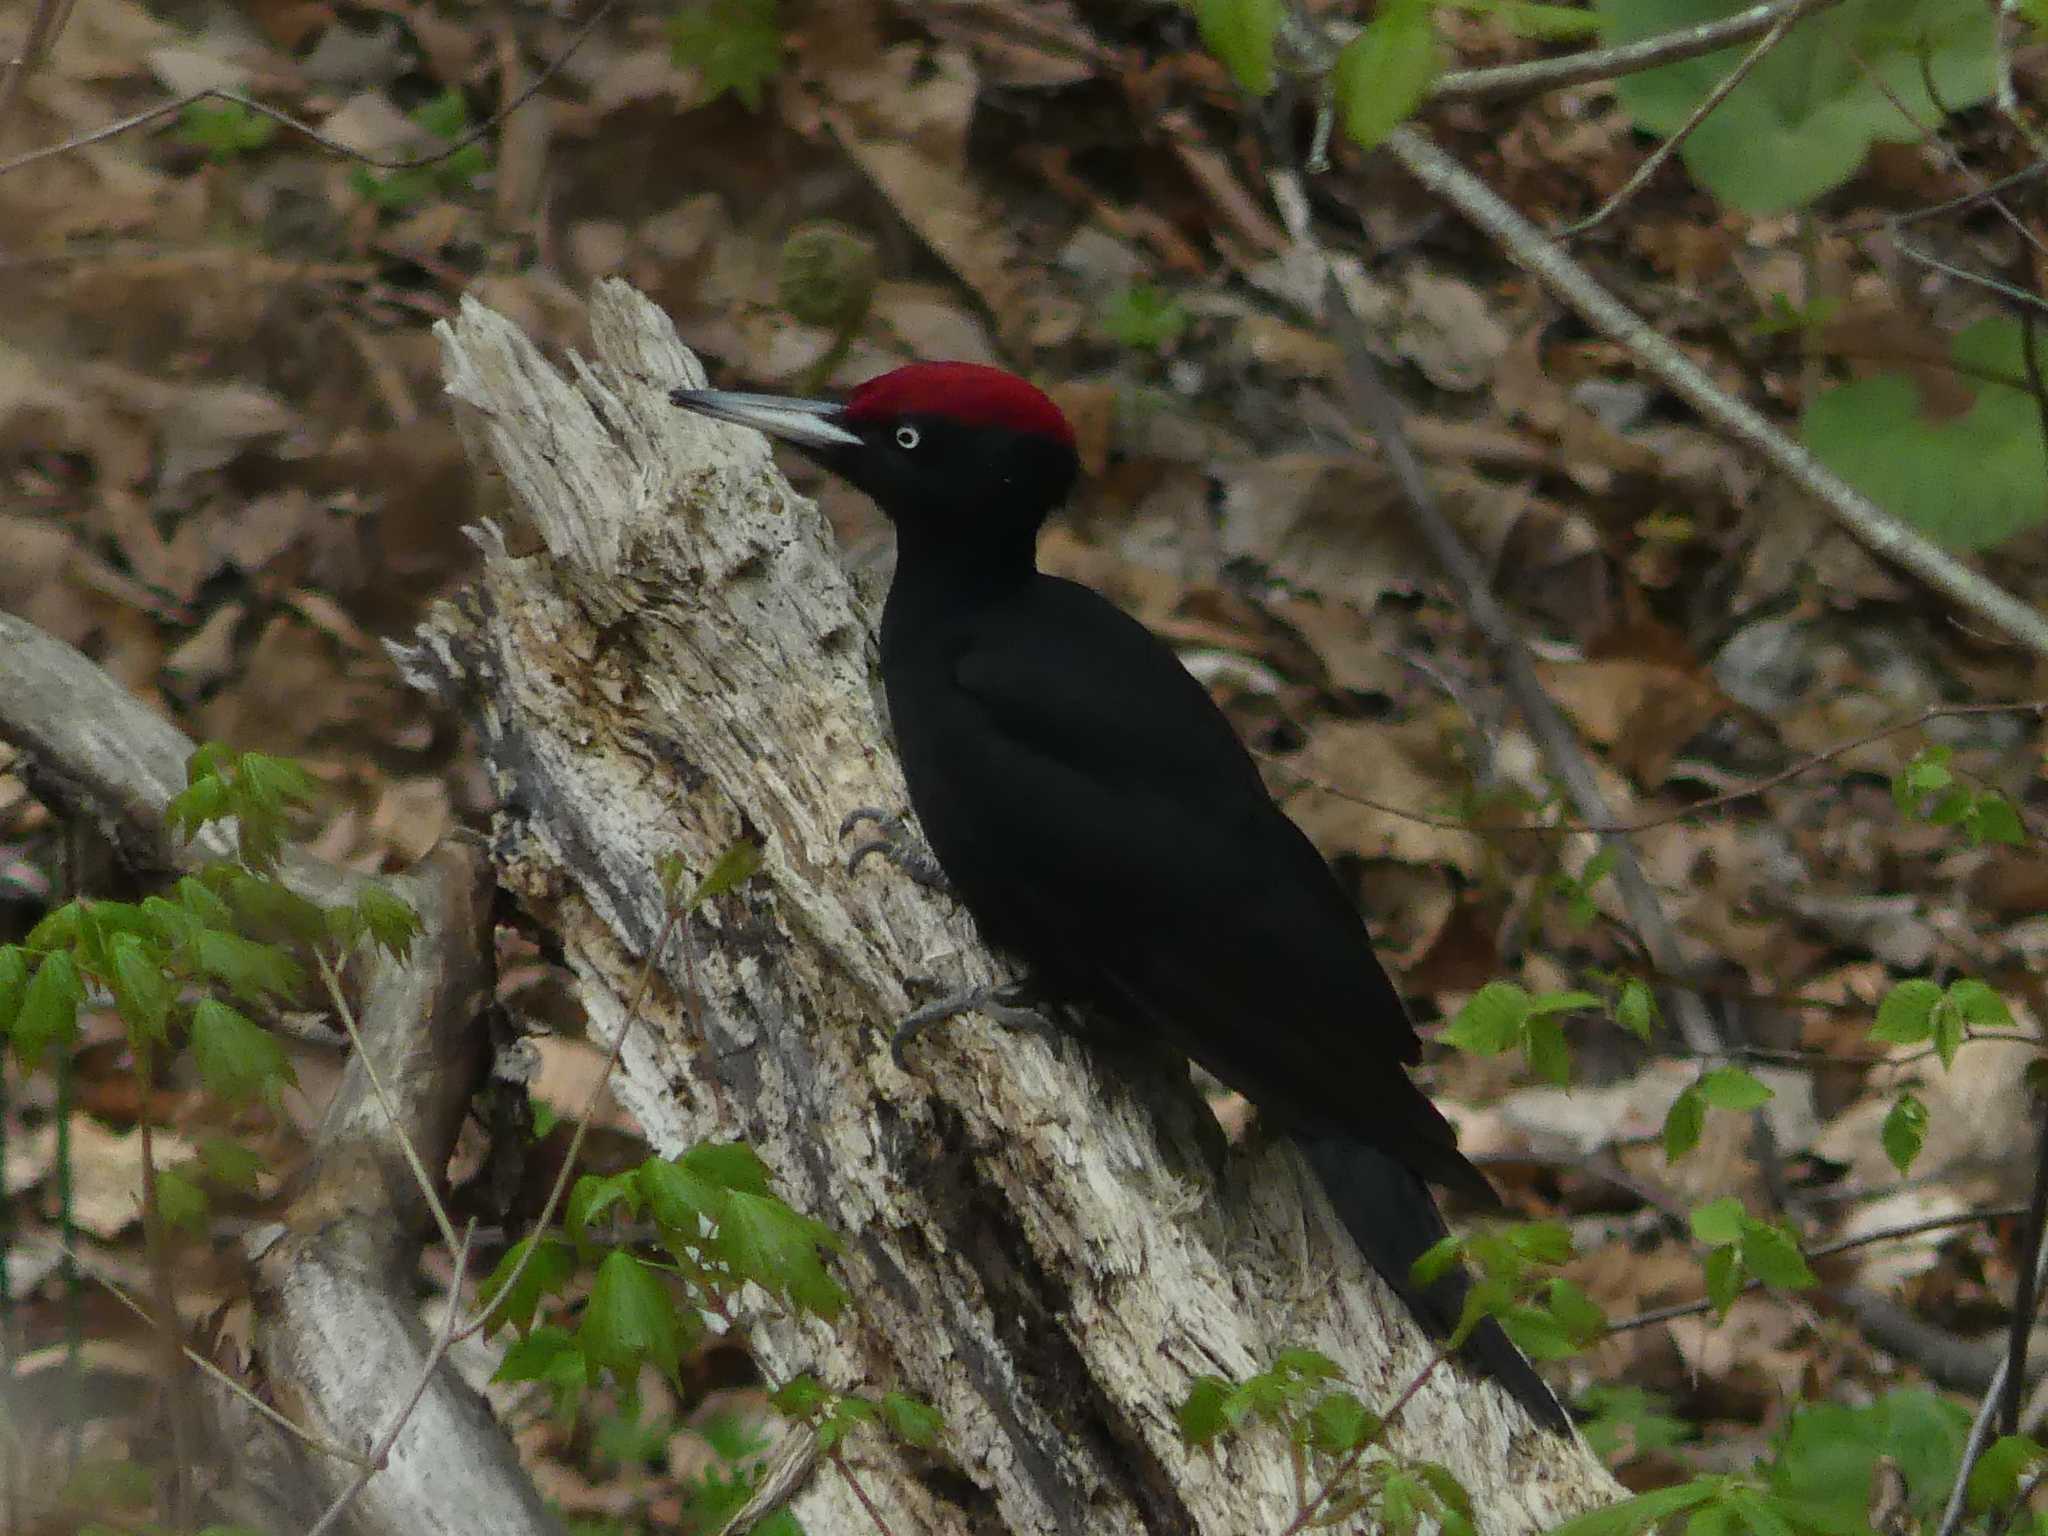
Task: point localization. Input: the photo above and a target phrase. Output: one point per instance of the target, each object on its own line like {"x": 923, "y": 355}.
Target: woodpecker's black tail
{"x": 1391, "y": 1216}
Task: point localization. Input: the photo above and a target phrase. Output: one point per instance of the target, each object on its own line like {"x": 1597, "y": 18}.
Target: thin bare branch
{"x": 1315, "y": 781}
{"x": 1881, "y": 531}
{"x": 1699, "y": 114}
{"x": 1624, "y": 59}
{"x": 219, "y": 1377}
{"x": 421, "y": 1177}
{"x": 333, "y": 146}
{"x": 1904, "y": 1229}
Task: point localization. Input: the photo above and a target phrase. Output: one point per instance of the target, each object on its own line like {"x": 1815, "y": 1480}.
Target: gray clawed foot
{"x": 1009, "y": 1004}
{"x": 897, "y": 845}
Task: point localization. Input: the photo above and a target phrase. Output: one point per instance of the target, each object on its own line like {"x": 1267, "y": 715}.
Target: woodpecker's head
{"x": 943, "y": 448}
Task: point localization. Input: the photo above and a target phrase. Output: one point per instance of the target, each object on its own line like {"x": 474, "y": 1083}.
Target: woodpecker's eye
{"x": 906, "y": 437}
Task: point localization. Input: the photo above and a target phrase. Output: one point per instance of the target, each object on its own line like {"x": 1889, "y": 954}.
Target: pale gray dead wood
{"x": 338, "y": 1328}
{"x": 1045, "y": 1255}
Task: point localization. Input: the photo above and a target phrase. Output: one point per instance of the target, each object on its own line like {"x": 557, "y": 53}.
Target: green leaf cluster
{"x": 1802, "y": 121}
{"x": 1326, "y": 1426}
{"x": 446, "y": 118}
{"x": 1512, "y": 1281}
{"x": 835, "y": 1415}
{"x": 1744, "y": 1247}
{"x": 1926, "y": 790}
{"x": 1145, "y": 317}
{"x": 1729, "y": 1088}
{"x": 1624, "y": 1422}
{"x": 734, "y": 45}
{"x": 224, "y": 131}
{"x": 1502, "y": 1014}
{"x": 717, "y": 1227}
{"x": 1919, "y": 1011}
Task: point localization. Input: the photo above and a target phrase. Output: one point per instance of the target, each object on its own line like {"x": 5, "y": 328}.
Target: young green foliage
{"x": 1743, "y": 1247}
{"x": 1968, "y": 480}
{"x": 1926, "y": 790}
{"x": 1241, "y": 33}
{"x": 1729, "y": 1088}
{"x": 447, "y": 118}
{"x": 1145, "y": 317}
{"x": 1384, "y": 73}
{"x": 734, "y": 45}
{"x": 1803, "y": 119}
{"x": 1502, "y": 1014}
{"x": 1919, "y": 1011}
{"x": 1624, "y": 1422}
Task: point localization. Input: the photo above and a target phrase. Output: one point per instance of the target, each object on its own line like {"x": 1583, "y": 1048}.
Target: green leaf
{"x": 1995, "y": 1480}
{"x": 912, "y": 1420}
{"x": 630, "y": 1319}
{"x": 1241, "y": 33}
{"x": 1906, "y": 1016}
{"x": 1683, "y": 1123}
{"x": 49, "y": 1008}
{"x": 1384, "y": 72}
{"x": 1200, "y": 1415}
{"x": 1546, "y": 23}
{"x": 780, "y": 1251}
{"x": 1904, "y": 1132}
{"x": 231, "y": 1164}
{"x": 801, "y": 1397}
{"x": 1536, "y": 1333}
{"x": 1145, "y": 317}
{"x": 734, "y": 868}
{"x": 1719, "y": 1222}
{"x": 180, "y": 1202}
{"x": 237, "y": 1059}
{"x": 142, "y": 992}
{"x": 1997, "y": 820}
{"x": 730, "y": 1165}
{"x": 1772, "y": 1254}
{"x": 389, "y": 919}
{"x": 13, "y": 985}
{"x": 1580, "y": 1315}
{"x": 550, "y": 1355}
{"x": 1491, "y": 1019}
{"x": 1638, "y": 1514}
{"x": 1339, "y": 1423}
{"x": 548, "y": 1273}
{"x": 1627, "y": 1422}
{"x": 734, "y": 45}
{"x": 1968, "y": 481}
{"x": 1803, "y": 119}
{"x": 678, "y": 1196}
{"x": 1550, "y": 1057}
{"x": 1635, "y": 1010}
{"x": 1436, "y": 1261}
{"x": 1979, "y": 1006}
{"x": 592, "y": 1195}
{"x": 1541, "y": 1242}
{"x": 254, "y": 973}
{"x": 1724, "y": 1278}
{"x": 1733, "y": 1088}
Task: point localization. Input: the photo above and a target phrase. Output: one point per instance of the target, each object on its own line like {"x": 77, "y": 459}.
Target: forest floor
{"x": 230, "y": 472}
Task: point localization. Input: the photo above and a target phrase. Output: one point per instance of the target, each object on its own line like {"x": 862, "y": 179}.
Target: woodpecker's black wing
{"x": 1100, "y": 817}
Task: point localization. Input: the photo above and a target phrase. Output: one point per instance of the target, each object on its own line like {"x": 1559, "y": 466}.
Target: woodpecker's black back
{"x": 1098, "y": 815}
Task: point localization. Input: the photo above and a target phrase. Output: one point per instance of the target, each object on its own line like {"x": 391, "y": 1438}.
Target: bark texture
{"x": 660, "y": 654}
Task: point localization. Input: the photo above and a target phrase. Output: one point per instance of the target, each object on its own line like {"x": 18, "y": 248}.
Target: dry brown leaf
{"x": 1403, "y": 765}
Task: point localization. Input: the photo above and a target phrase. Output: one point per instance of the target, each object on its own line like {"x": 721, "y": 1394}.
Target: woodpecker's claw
{"x": 897, "y": 846}
{"x": 1009, "y": 1004}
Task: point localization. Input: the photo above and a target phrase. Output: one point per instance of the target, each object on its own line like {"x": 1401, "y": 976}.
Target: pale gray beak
{"x": 806, "y": 423}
